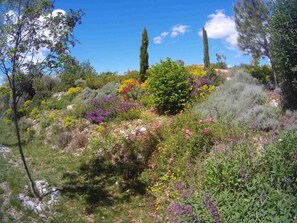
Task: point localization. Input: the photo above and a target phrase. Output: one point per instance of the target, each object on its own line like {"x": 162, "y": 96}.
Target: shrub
{"x": 169, "y": 84}
{"x": 243, "y": 187}
{"x": 69, "y": 121}
{"x": 262, "y": 73}
{"x": 107, "y": 107}
{"x": 44, "y": 86}
{"x": 58, "y": 103}
{"x": 110, "y": 89}
{"x": 74, "y": 90}
{"x": 241, "y": 100}
{"x": 196, "y": 70}
{"x": 63, "y": 139}
{"x": 130, "y": 89}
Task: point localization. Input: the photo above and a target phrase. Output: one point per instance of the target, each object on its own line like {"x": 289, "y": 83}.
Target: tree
{"x": 169, "y": 84}
{"x": 283, "y": 31}
{"x": 206, "y": 50}
{"x": 251, "y": 19}
{"x": 33, "y": 39}
{"x": 144, "y": 63}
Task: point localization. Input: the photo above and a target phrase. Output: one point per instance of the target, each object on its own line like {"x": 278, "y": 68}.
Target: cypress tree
{"x": 205, "y": 46}
{"x": 144, "y": 64}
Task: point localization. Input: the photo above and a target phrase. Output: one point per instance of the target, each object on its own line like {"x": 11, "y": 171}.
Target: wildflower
{"x": 171, "y": 160}
{"x": 153, "y": 165}
{"x": 209, "y": 119}
{"x": 206, "y": 130}
{"x": 188, "y": 133}
{"x": 200, "y": 121}
{"x": 212, "y": 208}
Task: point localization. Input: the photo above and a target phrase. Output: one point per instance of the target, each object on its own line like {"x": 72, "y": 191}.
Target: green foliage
{"x": 169, "y": 85}
{"x": 110, "y": 89}
{"x": 206, "y": 50}
{"x": 131, "y": 89}
{"x": 58, "y": 103}
{"x": 144, "y": 63}
{"x": 74, "y": 71}
{"x": 131, "y": 114}
{"x": 283, "y": 30}
{"x": 262, "y": 73}
{"x": 5, "y": 94}
{"x": 96, "y": 82}
{"x": 244, "y": 187}
{"x": 252, "y": 28}
{"x": 242, "y": 101}
{"x": 221, "y": 62}
{"x": 44, "y": 87}
{"x": 69, "y": 121}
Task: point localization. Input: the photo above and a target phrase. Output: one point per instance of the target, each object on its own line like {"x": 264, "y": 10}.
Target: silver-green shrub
{"x": 242, "y": 100}
{"x": 110, "y": 89}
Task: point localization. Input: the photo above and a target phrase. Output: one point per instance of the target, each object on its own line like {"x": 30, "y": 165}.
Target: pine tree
{"x": 251, "y": 19}
{"x": 144, "y": 64}
{"x": 206, "y": 52}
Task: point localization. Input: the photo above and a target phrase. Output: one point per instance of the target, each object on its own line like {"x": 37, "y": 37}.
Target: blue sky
{"x": 110, "y": 34}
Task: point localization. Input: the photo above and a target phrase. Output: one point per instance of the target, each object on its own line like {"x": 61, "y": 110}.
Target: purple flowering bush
{"x": 241, "y": 186}
{"x": 106, "y": 107}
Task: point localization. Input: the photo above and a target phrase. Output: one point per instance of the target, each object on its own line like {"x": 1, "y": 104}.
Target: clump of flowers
{"x": 131, "y": 89}
{"x": 201, "y": 87}
{"x": 74, "y": 90}
{"x": 106, "y": 107}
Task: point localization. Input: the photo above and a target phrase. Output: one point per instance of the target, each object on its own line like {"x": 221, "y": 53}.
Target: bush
{"x": 242, "y": 101}
{"x": 262, "y": 73}
{"x": 243, "y": 187}
{"x": 74, "y": 90}
{"x": 110, "y": 89}
{"x": 169, "y": 84}
{"x": 283, "y": 37}
{"x": 107, "y": 107}
{"x": 44, "y": 86}
{"x": 196, "y": 70}
{"x": 130, "y": 89}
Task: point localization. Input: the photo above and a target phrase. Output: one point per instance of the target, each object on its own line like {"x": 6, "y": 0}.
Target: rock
{"x": 70, "y": 107}
{"x": 142, "y": 129}
{"x": 58, "y": 95}
{"x": 4, "y": 150}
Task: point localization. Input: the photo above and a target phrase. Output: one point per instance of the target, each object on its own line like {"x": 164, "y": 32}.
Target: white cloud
{"x": 179, "y": 30}
{"x": 221, "y": 26}
{"x": 175, "y": 31}
{"x": 159, "y": 39}
{"x": 164, "y": 34}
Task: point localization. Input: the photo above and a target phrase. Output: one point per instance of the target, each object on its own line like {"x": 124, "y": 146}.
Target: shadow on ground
{"x": 101, "y": 184}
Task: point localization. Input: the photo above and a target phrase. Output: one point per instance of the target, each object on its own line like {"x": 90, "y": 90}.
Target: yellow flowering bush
{"x": 196, "y": 70}
{"x": 74, "y": 90}
{"x": 69, "y": 121}
{"x": 131, "y": 89}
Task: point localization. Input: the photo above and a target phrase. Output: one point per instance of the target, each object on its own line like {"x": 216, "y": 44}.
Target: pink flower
{"x": 206, "y": 130}
{"x": 171, "y": 160}
{"x": 188, "y": 133}
{"x": 153, "y": 165}
{"x": 209, "y": 119}
{"x": 200, "y": 121}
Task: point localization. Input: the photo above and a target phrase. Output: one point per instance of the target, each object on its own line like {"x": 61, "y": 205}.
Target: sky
{"x": 110, "y": 33}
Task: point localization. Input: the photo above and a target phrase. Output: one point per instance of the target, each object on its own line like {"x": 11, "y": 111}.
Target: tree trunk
{"x": 274, "y": 75}
{"x": 34, "y": 190}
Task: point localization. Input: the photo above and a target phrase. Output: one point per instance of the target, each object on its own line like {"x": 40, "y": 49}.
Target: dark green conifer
{"x": 144, "y": 63}
{"x": 205, "y": 46}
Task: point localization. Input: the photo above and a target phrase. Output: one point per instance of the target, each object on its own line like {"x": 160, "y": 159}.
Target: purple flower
{"x": 212, "y": 208}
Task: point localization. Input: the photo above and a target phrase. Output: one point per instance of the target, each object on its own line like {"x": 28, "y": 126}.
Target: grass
{"x": 52, "y": 165}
